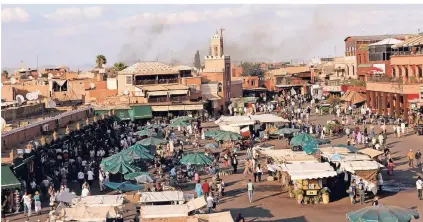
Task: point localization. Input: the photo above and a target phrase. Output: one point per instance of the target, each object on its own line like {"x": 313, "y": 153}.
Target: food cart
{"x": 307, "y": 182}
{"x": 324, "y": 109}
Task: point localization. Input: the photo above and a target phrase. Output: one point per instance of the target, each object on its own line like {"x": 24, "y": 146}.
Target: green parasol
{"x": 301, "y": 139}
{"x": 227, "y": 135}
{"x": 212, "y": 133}
{"x": 179, "y": 123}
{"x": 310, "y": 147}
{"x": 137, "y": 152}
{"x": 196, "y": 158}
{"x": 144, "y": 132}
{"x": 153, "y": 141}
{"x": 131, "y": 176}
{"x": 116, "y": 158}
{"x": 382, "y": 213}
{"x": 122, "y": 167}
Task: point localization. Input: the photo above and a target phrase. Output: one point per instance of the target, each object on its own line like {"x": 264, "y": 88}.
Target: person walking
{"x": 418, "y": 157}
{"x": 419, "y": 185}
{"x": 198, "y": 189}
{"x": 362, "y": 191}
{"x": 250, "y": 190}
{"x": 81, "y": 178}
{"x": 90, "y": 177}
{"x": 205, "y": 188}
{"x": 247, "y": 170}
{"x": 352, "y": 192}
{"x": 234, "y": 161}
{"x": 37, "y": 203}
{"x": 259, "y": 172}
{"x": 210, "y": 203}
{"x": 410, "y": 158}
{"x": 26, "y": 199}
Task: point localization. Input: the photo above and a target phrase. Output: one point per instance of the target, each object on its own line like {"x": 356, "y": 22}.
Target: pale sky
{"x": 74, "y": 34}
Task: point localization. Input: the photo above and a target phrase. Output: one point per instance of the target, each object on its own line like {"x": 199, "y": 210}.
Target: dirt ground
{"x": 270, "y": 204}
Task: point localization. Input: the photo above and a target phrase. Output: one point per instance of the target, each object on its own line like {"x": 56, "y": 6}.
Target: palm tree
{"x": 119, "y": 66}
{"x": 5, "y": 73}
{"x": 100, "y": 60}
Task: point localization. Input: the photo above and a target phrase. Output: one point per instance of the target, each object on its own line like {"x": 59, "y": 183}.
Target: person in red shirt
{"x": 205, "y": 187}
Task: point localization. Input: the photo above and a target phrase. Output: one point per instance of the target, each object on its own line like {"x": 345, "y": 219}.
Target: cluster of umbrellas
{"x": 122, "y": 161}
{"x": 285, "y": 131}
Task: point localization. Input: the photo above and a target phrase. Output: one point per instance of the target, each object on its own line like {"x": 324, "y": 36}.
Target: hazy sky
{"x": 73, "y": 34}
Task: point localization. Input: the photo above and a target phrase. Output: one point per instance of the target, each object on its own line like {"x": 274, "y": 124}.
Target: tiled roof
{"x": 388, "y": 41}
{"x": 147, "y": 68}
{"x": 377, "y": 37}
{"x": 418, "y": 40}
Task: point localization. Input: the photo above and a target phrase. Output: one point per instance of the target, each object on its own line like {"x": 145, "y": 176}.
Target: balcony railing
{"x": 406, "y": 53}
{"x": 167, "y": 99}
{"x": 154, "y": 82}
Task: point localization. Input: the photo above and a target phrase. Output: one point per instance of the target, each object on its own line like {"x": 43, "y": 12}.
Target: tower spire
{"x": 221, "y": 31}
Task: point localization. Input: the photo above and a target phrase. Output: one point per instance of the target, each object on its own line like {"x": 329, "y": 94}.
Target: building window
{"x": 420, "y": 75}
{"x": 406, "y": 72}
{"x": 220, "y": 87}
{"x": 400, "y": 71}
{"x": 393, "y": 72}
{"x": 253, "y": 83}
{"x": 128, "y": 80}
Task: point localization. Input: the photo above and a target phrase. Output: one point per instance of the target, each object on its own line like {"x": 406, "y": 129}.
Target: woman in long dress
{"x": 247, "y": 170}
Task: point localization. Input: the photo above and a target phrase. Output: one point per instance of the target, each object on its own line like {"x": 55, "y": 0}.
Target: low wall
{"x": 23, "y": 134}
{"x": 22, "y": 112}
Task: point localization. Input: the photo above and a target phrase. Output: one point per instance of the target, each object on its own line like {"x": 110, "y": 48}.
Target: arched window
{"x": 393, "y": 71}
{"x": 220, "y": 87}
{"x": 419, "y": 71}
{"x": 399, "y": 71}
{"x": 406, "y": 72}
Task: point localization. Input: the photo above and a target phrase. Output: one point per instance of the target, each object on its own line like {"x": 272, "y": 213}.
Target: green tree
{"x": 100, "y": 61}
{"x": 5, "y": 73}
{"x": 197, "y": 61}
{"x": 119, "y": 66}
{"x": 251, "y": 69}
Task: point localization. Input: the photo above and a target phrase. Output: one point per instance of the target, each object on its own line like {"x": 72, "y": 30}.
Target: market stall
{"x": 88, "y": 213}
{"x": 307, "y": 181}
{"x": 368, "y": 170}
{"x": 174, "y": 197}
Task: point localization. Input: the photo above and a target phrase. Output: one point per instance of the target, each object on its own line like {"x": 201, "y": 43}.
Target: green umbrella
{"x": 382, "y": 213}
{"x": 301, "y": 139}
{"x": 179, "y": 123}
{"x": 137, "y": 152}
{"x": 196, "y": 158}
{"x": 152, "y": 141}
{"x": 210, "y": 146}
{"x": 116, "y": 158}
{"x": 139, "y": 147}
{"x": 310, "y": 147}
{"x": 227, "y": 135}
{"x": 144, "y": 132}
{"x": 183, "y": 118}
{"x": 285, "y": 131}
{"x": 212, "y": 133}
{"x": 131, "y": 176}
{"x": 122, "y": 167}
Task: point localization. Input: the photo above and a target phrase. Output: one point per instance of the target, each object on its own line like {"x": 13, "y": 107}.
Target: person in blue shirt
{"x": 173, "y": 172}
{"x": 198, "y": 189}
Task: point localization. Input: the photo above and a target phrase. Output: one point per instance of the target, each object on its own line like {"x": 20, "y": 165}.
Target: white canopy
{"x": 249, "y": 120}
{"x": 371, "y": 152}
{"x": 333, "y": 150}
{"x": 306, "y": 167}
{"x": 164, "y": 211}
{"x": 311, "y": 175}
{"x": 164, "y": 196}
{"x": 354, "y": 157}
{"x": 88, "y": 213}
{"x": 352, "y": 166}
{"x": 99, "y": 200}
{"x": 289, "y": 156}
{"x": 216, "y": 217}
{"x": 196, "y": 203}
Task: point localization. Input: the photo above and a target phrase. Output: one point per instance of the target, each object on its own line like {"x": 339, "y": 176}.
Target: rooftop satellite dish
{"x": 30, "y": 77}
{"x": 92, "y": 85}
{"x": 125, "y": 92}
{"x": 3, "y": 123}
{"x": 29, "y": 96}
{"x": 13, "y": 81}
{"x": 35, "y": 95}
{"x": 51, "y": 103}
{"x": 20, "y": 99}
{"x": 50, "y": 76}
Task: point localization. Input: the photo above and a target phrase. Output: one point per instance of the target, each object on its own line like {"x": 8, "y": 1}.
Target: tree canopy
{"x": 197, "y": 61}
{"x": 251, "y": 69}
{"x": 119, "y": 66}
{"x": 5, "y": 73}
{"x": 100, "y": 60}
